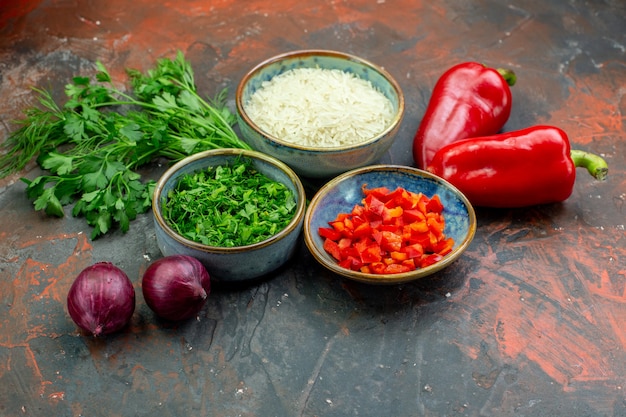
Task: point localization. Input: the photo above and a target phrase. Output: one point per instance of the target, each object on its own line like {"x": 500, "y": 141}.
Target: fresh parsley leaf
{"x": 165, "y": 102}
{"x": 74, "y": 127}
{"x": 102, "y": 75}
{"x": 102, "y": 222}
{"x": 56, "y": 163}
{"x": 132, "y": 132}
{"x": 49, "y": 202}
{"x": 190, "y": 101}
{"x": 189, "y": 144}
{"x": 122, "y": 218}
{"x": 94, "y": 181}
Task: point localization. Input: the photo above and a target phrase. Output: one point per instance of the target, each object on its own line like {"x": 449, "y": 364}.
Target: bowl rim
{"x": 303, "y": 53}
{"x": 399, "y": 278}
{"x": 252, "y": 154}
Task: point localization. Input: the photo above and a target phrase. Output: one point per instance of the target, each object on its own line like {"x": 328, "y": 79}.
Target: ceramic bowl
{"x": 235, "y": 264}
{"x": 342, "y": 193}
{"x": 319, "y": 162}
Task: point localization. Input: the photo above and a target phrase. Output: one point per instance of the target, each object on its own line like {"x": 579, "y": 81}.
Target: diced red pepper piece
{"x": 377, "y": 267}
{"x": 389, "y": 214}
{"x": 358, "y": 210}
{"x": 395, "y": 198}
{"x": 445, "y": 246}
{"x": 410, "y": 263}
{"x": 396, "y": 269}
{"x": 344, "y": 244}
{"x": 419, "y": 227}
{"x": 414, "y": 251}
{"x": 421, "y": 203}
{"x": 332, "y": 247}
{"x": 352, "y": 263}
{"x": 338, "y": 226}
{"x": 373, "y": 205}
{"x": 379, "y": 192}
{"x": 430, "y": 260}
{"x": 398, "y": 256}
{"x": 434, "y": 205}
{"x": 330, "y": 233}
{"x": 412, "y": 216}
{"x": 362, "y": 230}
{"x": 341, "y": 217}
{"x": 371, "y": 254}
{"x": 391, "y": 241}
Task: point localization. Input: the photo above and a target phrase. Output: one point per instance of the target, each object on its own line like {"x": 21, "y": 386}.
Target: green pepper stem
{"x": 508, "y": 75}
{"x": 595, "y": 164}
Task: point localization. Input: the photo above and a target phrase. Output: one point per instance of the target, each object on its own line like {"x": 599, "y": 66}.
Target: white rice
{"x": 320, "y": 108}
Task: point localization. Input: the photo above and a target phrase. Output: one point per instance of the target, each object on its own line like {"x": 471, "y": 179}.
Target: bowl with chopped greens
{"x": 321, "y": 112}
{"x": 388, "y": 224}
{"x": 240, "y": 212}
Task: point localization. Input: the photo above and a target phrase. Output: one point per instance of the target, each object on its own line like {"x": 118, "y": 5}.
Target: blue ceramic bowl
{"x": 328, "y": 161}
{"x": 242, "y": 263}
{"x": 342, "y": 193}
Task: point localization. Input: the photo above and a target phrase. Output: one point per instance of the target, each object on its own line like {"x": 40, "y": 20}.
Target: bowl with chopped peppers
{"x": 240, "y": 212}
{"x": 387, "y": 224}
{"x": 322, "y": 112}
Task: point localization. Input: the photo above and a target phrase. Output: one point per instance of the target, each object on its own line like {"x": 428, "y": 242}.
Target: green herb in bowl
{"x": 228, "y": 205}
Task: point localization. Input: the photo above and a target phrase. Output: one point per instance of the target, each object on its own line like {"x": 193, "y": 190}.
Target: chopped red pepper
{"x": 392, "y": 231}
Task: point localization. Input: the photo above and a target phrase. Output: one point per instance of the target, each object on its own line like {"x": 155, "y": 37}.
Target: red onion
{"x": 176, "y": 287}
{"x": 102, "y": 299}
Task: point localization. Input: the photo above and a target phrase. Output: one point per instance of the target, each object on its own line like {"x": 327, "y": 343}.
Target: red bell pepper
{"x": 468, "y": 100}
{"x": 516, "y": 169}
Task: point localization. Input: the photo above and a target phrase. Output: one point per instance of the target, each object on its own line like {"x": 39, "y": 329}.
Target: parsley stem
{"x": 223, "y": 130}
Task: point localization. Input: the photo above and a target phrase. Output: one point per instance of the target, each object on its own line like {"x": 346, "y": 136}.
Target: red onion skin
{"x": 102, "y": 299}
{"x": 176, "y": 287}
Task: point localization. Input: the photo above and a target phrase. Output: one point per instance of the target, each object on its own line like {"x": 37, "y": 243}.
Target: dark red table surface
{"x": 530, "y": 321}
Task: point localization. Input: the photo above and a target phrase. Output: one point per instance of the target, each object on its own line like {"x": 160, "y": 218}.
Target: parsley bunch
{"x": 93, "y": 145}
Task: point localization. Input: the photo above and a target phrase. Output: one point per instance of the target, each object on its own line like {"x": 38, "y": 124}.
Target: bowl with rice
{"x": 321, "y": 112}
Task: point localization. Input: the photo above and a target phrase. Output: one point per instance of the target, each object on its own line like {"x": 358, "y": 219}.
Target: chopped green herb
{"x": 228, "y": 205}
{"x": 94, "y": 143}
